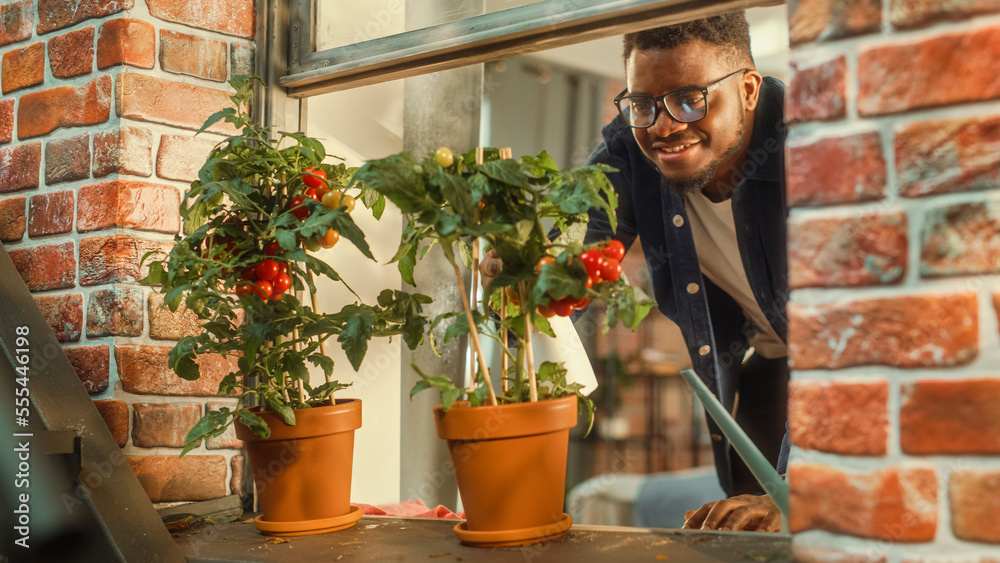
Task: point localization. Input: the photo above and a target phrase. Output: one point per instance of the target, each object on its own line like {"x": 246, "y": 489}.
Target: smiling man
{"x": 699, "y": 147}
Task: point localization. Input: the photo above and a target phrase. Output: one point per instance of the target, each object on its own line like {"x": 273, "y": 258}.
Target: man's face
{"x": 692, "y": 155}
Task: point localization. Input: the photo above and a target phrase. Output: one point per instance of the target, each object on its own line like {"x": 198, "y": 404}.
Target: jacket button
{"x": 704, "y": 350}
{"x": 717, "y": 437}
{"x": 692, "y": 288}
{"x": 678, "y": 221}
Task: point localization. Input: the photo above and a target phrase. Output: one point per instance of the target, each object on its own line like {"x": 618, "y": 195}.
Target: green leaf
{"x": 276, "y": 403}
{"x": 216, "y": 117}
{"x": 358, "y": 331}
{"x": 214, "y": 423}
{"x": 181, "y": 358}
{"x": 255, "y": 423}
{"x": 507, "y": 171}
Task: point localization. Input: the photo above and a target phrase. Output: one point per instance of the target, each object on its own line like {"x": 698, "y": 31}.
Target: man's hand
{"x": 744, "y": 512}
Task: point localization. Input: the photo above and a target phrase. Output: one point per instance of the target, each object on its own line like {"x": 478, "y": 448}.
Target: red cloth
{"x": 411, "y": 509}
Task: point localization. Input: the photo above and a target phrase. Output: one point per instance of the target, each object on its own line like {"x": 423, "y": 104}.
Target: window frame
{"x": 514, "y": 31}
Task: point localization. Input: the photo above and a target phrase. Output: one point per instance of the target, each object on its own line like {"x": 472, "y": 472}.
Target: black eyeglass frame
{"x": 657, "y": 100}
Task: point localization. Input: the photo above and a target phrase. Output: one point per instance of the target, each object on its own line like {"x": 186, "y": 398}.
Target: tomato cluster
{"x": 317, "y": 190}
{"x": 268, "y": 279}
{"x": 602, "y": 264}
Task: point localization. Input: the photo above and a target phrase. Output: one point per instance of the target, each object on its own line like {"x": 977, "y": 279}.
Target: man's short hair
{"x": 728, "y": 30}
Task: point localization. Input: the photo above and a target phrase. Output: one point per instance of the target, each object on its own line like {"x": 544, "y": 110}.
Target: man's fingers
{"x": 770, "y": 523}
{"x": 696, "y": 517}
{"x": 740, "y": 519}
{"x": 490, "y": 266}
{"x": 688, "y": 514}
{"x": 719, "y": 514}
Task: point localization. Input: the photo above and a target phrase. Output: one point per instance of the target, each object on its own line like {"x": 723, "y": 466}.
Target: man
{"x": 699, "y": 144}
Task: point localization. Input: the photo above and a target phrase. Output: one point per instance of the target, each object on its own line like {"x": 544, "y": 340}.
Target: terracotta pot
{"x": 510, "y": 464}
{"x": 303, "y": 472}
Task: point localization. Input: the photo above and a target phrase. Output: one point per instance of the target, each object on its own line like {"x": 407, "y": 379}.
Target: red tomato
{"x": 282, "y": 267}
{"x": 297, "y": 208}
{"x": 592, "y": 260}
{"x": 581, "y": 303}
{"x": 244, "y": 289}
{"x": 329, "y": 239}
{"x": 249, "y": 273}
{"x": 313, "y": 177}
{"x": 320, "y": 192}
{"x": 276, "y": 296}
{"x": 614, "y": 250}
{"x": 272, "y": 248}
{"x": 589, "y": 283}
{"x": 546, "y": 312}
{"x": 263, "y": 288}
{"x": 612, "y": 270}
{"x": 281, "y": 283}
{"x": 267, "y": 270}
{"x": 594, "y": 280}
{"x": 563, "y": 307}
{"x": 542, "y": 262}
{"x": 311, "y": 193}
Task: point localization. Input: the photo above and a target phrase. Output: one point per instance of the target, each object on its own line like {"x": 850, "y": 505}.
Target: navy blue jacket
{"x": 713, "y": 325}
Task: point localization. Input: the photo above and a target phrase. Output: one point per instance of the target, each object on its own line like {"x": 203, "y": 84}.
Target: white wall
{"x": 359, "y": 125}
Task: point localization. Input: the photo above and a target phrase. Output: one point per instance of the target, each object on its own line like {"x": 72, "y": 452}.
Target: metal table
{"x": 386, "y": 539}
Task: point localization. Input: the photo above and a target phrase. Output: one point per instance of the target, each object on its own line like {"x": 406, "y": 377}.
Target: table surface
{"x": 388, "y": 539}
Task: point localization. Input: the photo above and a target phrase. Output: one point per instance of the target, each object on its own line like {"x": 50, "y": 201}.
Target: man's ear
{"x": 750, "y": 88}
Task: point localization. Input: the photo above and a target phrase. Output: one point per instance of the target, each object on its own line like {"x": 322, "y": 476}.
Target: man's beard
{"x": 684, "y": 186}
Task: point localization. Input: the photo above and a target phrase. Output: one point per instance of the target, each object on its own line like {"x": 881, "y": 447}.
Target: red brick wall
{"x": 100, "y": 100}
{"x": 894, "y": 261}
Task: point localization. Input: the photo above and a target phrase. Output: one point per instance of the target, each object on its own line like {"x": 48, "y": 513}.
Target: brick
{"x": 91, "y": 364}
{"x": 67, "y": 159}
{"x": 114, "y": 312}
{"x": 72, "y": 54}
{"x": 820, "y": 20}
{"x": 126, "y": 203}
{"x": 943, "y": 70}
{"x": 950, "y": 416}
{"x": 19, "y": 167}
{"x": 943, "y": 156}
{"x": 23, "y": 68}
{"x": 180, "y": 157}
{"x": 848, "y": 418}
{"x": 905, "y": 331}
{"x": 961, "y": 239}
{"x": 50, "y": 214}
{"x": 114, "y": 259}
{"x": 163, "y": 424}
{"x": 126, "y": 41}
{"x": 12, "y": 219}
{"x": 237, "y": 483}
{"x": 155, "y": 100}
{"x": 242, "y": 59}
{"x": 144, "y": 371}
{"x": 847, "y": 251}
{"x": 16, "y": 21}
{"x": 908, "y": 14}
{"x": 236, "y": 17}
{"x": 49, "y": 266}
{"x": 115, "y": 415}
{"x": 40, "y": 113}
{"x": 165, "y": 324}
{"x": 817, "y": 92}
{"x": 228, "y": 439}
{"x": 168, "y": 478}
{"x": 64, "y": 314}
{"x": 6, "y": 121}
{"x": 127, "y": 150}
{"x": 974, "y": 497}
{"x": 181, "y": 53}
{"x": 848, "y": 169}
{"x": 896, "y": 503}
{"x": 57, "y": 14}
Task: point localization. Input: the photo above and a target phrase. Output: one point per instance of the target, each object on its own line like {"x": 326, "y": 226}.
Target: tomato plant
{"x": 242, "y": 265}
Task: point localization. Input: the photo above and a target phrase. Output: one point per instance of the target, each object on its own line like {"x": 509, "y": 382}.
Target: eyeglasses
{"x": 684, "y": 106}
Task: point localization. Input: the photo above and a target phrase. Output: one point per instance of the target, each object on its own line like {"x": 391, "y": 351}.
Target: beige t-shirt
{"x": 714, "y": 233}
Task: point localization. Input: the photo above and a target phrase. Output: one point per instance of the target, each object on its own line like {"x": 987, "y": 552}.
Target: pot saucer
{"x": 309, "y": 527}
{"x": 512, "y": 538}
